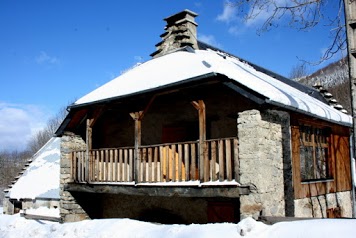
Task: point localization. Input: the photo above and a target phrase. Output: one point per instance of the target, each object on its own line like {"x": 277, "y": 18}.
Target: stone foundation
{"x": 318, "y": 206}
{"x": 70, "y": 210}
{"x": 8, "y": 207}
{"x": 263, "y": 151}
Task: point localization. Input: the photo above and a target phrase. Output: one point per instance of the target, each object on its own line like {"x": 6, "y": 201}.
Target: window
{"x": 314, "y": 153}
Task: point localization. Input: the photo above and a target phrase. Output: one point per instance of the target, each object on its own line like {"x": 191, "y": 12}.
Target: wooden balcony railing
{"x": 174, "y": 162}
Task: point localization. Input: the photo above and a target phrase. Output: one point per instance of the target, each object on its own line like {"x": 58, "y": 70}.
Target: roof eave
{"x": 294, "y": 109}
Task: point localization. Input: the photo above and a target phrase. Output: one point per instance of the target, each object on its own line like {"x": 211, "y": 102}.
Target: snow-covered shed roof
{"x": 184, "y": 65}
{"x": 41, "y": 178}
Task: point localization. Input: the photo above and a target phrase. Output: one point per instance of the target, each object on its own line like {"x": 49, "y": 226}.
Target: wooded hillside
{"x": 335, "y": 78}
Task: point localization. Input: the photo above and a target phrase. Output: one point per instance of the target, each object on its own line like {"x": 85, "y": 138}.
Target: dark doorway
{"x": 222, "y": 212}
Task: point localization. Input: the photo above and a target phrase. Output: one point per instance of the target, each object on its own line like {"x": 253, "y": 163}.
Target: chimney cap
{"x": 180, "y": 15}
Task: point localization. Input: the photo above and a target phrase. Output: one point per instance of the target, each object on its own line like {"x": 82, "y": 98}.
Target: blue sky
{"x": 53, "y": 52}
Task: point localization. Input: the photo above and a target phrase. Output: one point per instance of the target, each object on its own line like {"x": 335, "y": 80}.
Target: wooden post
{"x": 203, "y": 160}
{"x": 92, "y": 118}
{"x": 137, "y": 116}
{"x": 89, "y": 145}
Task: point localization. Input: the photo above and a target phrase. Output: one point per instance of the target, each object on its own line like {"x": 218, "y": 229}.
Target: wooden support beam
{"x": 137, "y": 117}
{"x": 203, "y": 160}
{"x": 95, "y": 115}
{"x": 147, "y": 106}
{"x": 161, "y": 191}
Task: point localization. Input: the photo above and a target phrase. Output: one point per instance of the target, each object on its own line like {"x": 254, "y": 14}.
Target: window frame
{"x": 315, "y": 141}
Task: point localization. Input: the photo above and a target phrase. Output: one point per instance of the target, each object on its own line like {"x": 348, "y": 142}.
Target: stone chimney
{"x": 180, "y": 31}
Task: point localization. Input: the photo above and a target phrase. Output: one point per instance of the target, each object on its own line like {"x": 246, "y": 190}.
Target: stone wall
{"x": 318, "y": 206}
{"x": 70, "y": 210}
{"x": 8, "y": 207}
{"x": 264, "y": 154}
{"x": 38, "y": 203}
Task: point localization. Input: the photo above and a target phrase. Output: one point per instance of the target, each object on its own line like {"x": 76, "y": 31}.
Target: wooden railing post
{"x": 137, "y": 116}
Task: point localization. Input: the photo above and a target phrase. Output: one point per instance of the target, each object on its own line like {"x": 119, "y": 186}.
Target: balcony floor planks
{"x": 161, "y": 191}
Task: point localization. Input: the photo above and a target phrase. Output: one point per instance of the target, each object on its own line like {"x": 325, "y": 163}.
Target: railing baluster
{"x": 161, "y": 161}
{"x": 120, "y": 166}
{"x": 97, "y": 157}
{"x": 155, "y": 161}
{"x": 186, "y": 161}
{"x": 194, "y": 175}
{"x": 109, "y": 164}
{"x": 228, "y": 160}
{"x": 101, "y": 174}
{"x": 143, "y": 162}
{"x": 174, "y": 164}
{"x": 81, "y": 167}
{"x": 166, "y": 160}
{"x": 180, "y": 175}
{"x": 206, "y": 161}
{"x": 221, "y": 160}
{"x": 124, "y": 175}
{"x": 115, "y": 170}
{"x": 129, "y": 166}
{"x": 213, "y": 161}
{"x": 149, "y": 170}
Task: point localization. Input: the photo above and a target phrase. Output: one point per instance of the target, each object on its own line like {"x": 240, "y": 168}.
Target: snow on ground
{"x": 15, "y": 226}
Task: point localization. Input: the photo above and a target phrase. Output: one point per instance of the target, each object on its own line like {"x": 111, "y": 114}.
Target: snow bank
{"x": 15, "y": 226}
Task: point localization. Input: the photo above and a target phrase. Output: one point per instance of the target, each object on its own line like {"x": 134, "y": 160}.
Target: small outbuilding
{"x": 36, "y": 192}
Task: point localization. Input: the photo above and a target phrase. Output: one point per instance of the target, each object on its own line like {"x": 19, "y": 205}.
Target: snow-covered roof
{"x": 41, "y": 178}
{"x": 181, "y": 66}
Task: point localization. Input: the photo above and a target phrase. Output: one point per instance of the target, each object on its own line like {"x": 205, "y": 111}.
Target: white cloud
{"x": 236, "y": 30}
{"x": 18, "y": 123}
{"x": 209, "y": 39}
{"x": 229, "y": 13}
{"x": 44, "y": 58}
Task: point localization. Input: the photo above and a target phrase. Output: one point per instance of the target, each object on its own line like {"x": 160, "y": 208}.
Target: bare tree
{"x": 301, "y": 15}
{"x": 11, "y": 163}
{"x": 42, "y": 136}
{"x": 298, "y": 71}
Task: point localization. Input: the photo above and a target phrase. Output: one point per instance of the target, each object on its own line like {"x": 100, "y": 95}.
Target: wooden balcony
{"x": 173, "y": 162}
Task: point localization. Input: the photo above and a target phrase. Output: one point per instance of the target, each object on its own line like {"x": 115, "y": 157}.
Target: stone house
{"x": 197, "y": 135}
